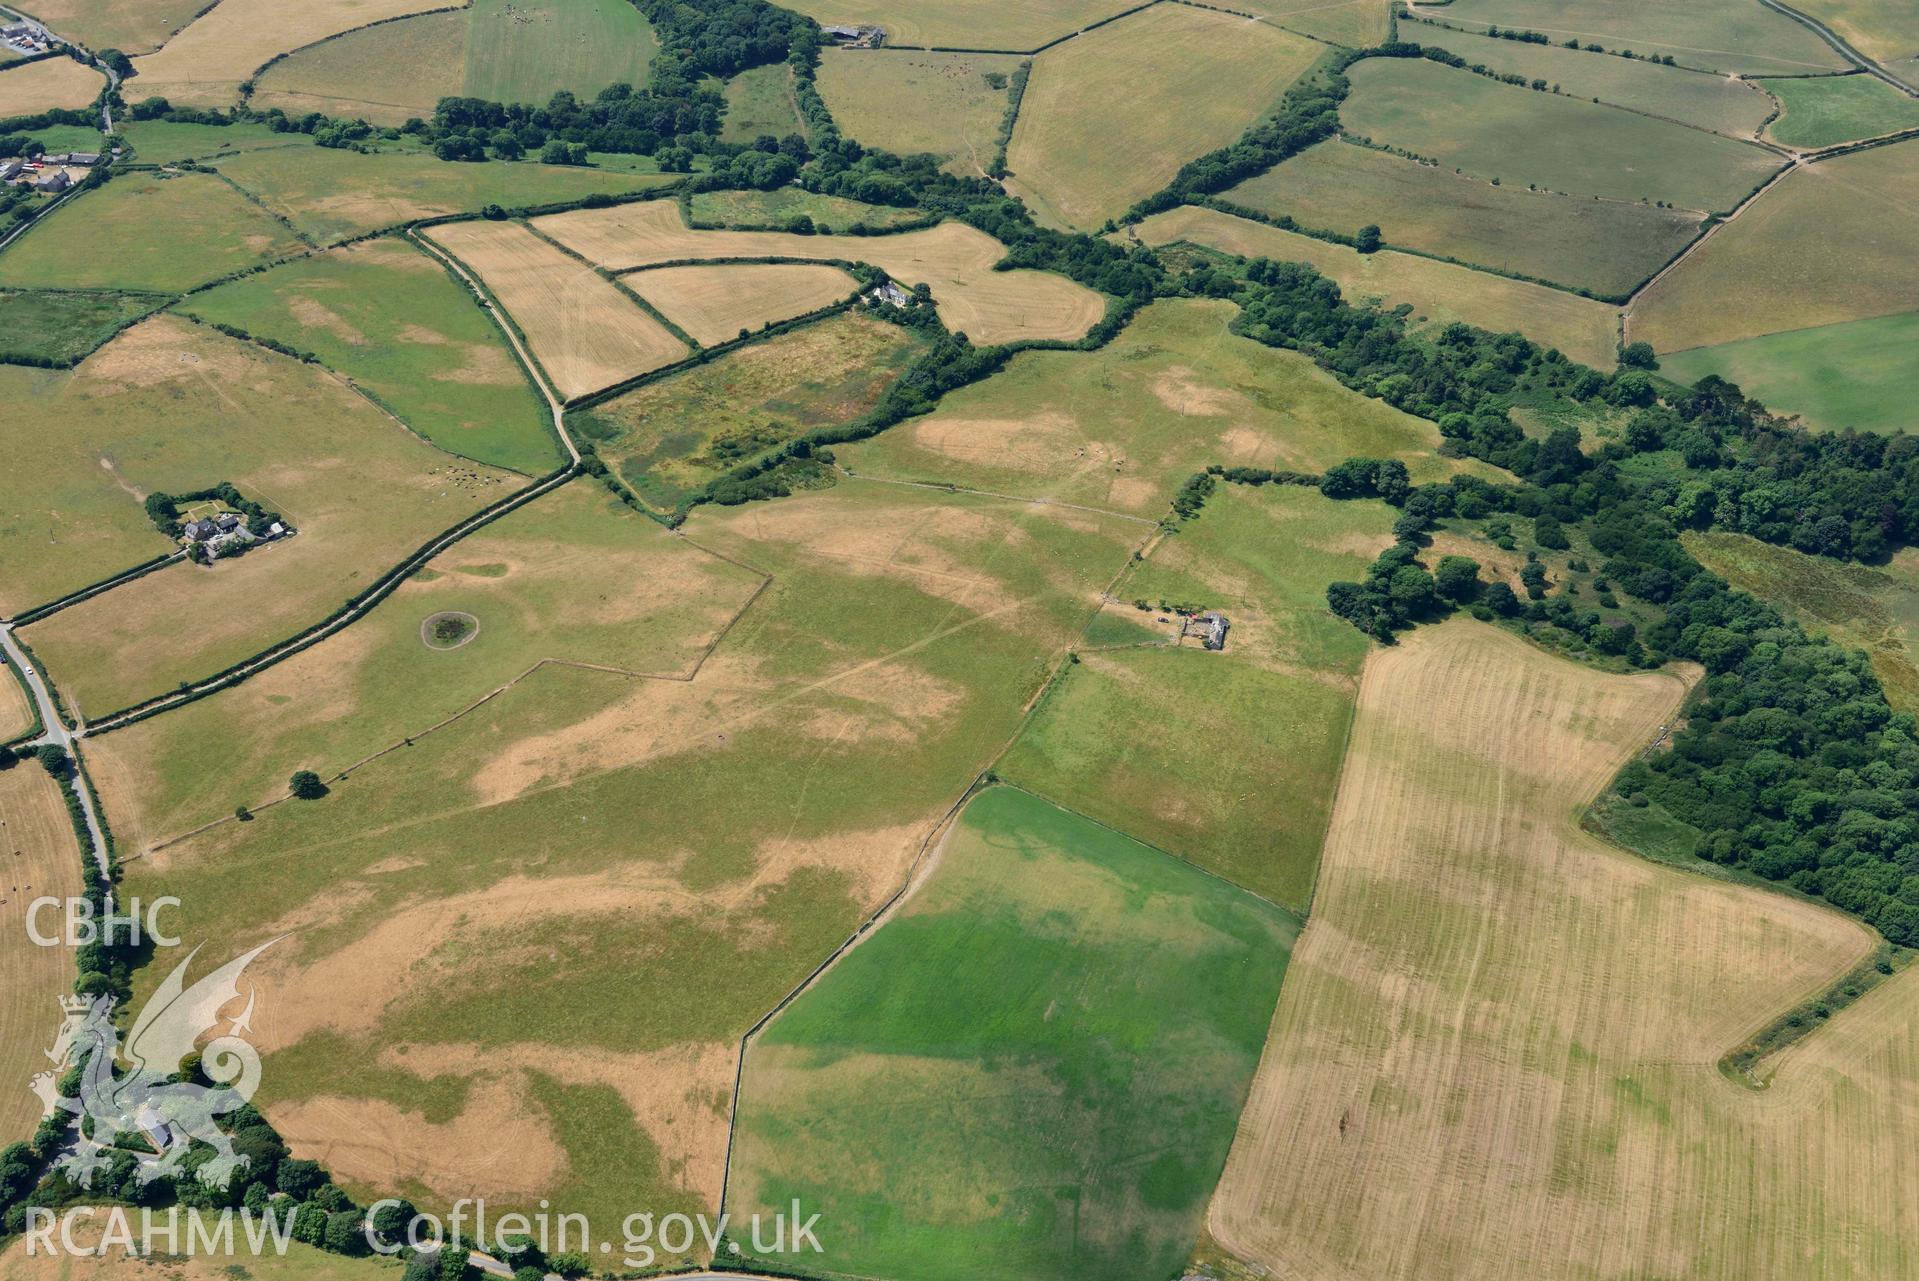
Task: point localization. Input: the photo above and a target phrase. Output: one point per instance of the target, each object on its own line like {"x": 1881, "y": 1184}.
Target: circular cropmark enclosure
{"x": 448, "y": 629}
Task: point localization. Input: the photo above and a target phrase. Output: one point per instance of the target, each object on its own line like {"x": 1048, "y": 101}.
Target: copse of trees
{"x": 1792, "y": 764}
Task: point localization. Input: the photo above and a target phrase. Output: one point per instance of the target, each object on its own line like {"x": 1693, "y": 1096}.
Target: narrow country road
{"x": 1839, "y": 46}
{"x": 55, "y": 732}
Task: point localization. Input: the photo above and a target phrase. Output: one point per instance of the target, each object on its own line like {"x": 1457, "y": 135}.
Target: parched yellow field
{"x": 1110, "y": 116}
{"x": 16, "y": 710}
{"x": 1495, "y": 1053}
{"x": 131, "y": 26}
{"x": 523, "y": 951}
{"x": 1832, "y": 241}
{"x": 174, "y": 406}
{"x": 39, "y": 857}
{"x": 968, "y": 24}
{"x": 1439, "y": 292}
{"x": 49, "y": 83}
{"x": 954, "y": 260}
{"x": 1352, "y": 22}
{"x": 718, "y": 304}
{"x": 205, "y": 63}
{"x": 912, "y": 102}
{"x": 1884, "y": 30}
{"x": 585, "y": 332}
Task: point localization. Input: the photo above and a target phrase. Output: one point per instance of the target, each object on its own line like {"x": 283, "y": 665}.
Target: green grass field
{"x": 1855, "y": 375}
{"x": 521, "y": 51}
{"x": 1438, "y": 292}
{"x": 168, "y": 235}
{"x": 1861, "y": 607}
{"x": 778, "y": 208}
{"x": 1135, "y": 736}
{"x": 1034, "y": 1070}
{"x": 49, "y": 325}
{"x": 1722, "y": 35}
{"x": 332, "y": 195}
{"x": 1192, "y": 80}
{"x": 1695, "y": 97}
{"x": 1832, "y": 109}
{"x": 173, "y": 406}
{"x": 165, "y": 142}
{"x": 668, "y": 438}
{"x": 1523, "y": 136}
{"x": 1122, "y": 428}
{"x": 940, "y": 103}
{"x": 392, "y": 320}
{"x": 67, "y": 137}
{"x": 1605, "y": 246}
{"x": 461, "y": 880}
{"x": 1834, "y": 241}
{"x": 760, "y": 102}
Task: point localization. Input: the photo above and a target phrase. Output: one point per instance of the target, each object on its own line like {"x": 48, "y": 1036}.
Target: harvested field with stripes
{"x": 955, "y": 260}
{"x": 583, "y": 330}
{"x": 39, "y": 857}
{"x": 719, "y": 303}
{"x": 1496, "y": 1054}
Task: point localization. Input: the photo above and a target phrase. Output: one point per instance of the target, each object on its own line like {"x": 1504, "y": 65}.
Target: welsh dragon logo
{"x": 141, "y": 1095}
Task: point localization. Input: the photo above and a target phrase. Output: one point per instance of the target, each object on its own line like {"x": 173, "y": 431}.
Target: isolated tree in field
{"x": 53, "y": 758}
{"x": 1368, "y": 240}
{"x": 1457, "y": 578}
{"x": 306, "y": 785}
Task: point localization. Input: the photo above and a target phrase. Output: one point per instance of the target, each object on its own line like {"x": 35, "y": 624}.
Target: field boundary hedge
{"x": 27, "y": 618}
{"x": 382, "y": 587}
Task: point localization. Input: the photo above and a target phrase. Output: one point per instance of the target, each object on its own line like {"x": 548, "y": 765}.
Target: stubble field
{"x": 1497, "y": 1052}
{"x": 39, "y": 857}
{"x": 955, "y": 260}
{"x": 585, "y": 333}
{"x": 47, "y": 84}
{"x": 720, "y": 303}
